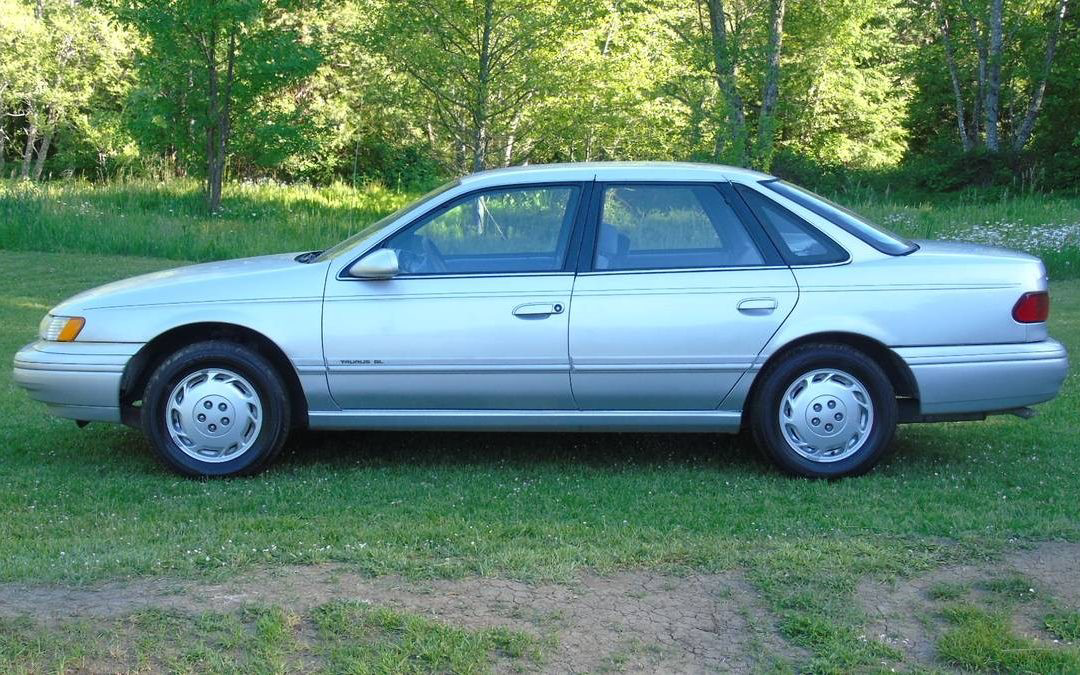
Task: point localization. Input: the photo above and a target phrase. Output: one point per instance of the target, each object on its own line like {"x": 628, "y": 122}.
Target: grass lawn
{"x": 91, "y": 505}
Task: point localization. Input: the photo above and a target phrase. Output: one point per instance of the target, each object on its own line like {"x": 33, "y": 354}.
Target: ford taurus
{"x": 616, "y": 297}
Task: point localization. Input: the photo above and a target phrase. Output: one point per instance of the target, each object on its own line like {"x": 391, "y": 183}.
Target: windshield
{"x": 846, "y": 219}
{"x": 371, "y": 229}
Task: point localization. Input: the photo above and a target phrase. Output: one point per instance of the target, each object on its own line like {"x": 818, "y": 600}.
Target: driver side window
{"x": 496, "y": 231}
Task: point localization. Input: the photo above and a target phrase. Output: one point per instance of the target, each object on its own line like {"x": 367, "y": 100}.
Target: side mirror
{"x": 379, "y": 264}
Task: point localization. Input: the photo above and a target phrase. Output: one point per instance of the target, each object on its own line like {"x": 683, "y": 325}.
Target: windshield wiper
{"x": 307, "y": 257}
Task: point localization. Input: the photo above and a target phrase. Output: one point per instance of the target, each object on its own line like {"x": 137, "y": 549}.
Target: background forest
{"x": 921, "y": 94}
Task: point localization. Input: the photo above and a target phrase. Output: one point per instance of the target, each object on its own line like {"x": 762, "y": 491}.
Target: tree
{"x": 57, "y": 55}
{"x": 725, "y": 62}
{"x": 994, "y": 62}
{"x": 18, "y": 33}
{"x": 481, "y": 62}
{"x": 213, "y": 62}
{"x": 763, "y": 149}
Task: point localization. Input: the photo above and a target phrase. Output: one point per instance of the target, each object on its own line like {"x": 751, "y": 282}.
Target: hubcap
{"x": 826, "y": 415}
{"x": 213, "y": 415}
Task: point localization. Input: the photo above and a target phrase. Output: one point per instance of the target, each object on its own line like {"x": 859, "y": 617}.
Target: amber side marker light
{"x": 61, "y": 328}
{"x": 1032, "y": 307}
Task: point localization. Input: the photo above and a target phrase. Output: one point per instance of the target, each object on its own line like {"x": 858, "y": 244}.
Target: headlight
{"x": 60, "y": 328}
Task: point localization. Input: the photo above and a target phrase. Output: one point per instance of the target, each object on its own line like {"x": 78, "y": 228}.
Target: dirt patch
{"x": 635, "y": 621}
{"x": 1056, "y": 568}
{"x": 902, "y": 614}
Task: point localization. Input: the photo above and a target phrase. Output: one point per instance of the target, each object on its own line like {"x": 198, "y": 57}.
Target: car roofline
{"x": 611, "y": 171}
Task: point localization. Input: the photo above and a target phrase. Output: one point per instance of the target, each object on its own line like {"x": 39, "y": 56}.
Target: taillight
{"x": 1032, "y": 307}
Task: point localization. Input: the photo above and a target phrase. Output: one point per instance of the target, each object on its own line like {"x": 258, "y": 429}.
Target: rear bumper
{"x": 79, "y": 381}
{"x": 986, "y": 378}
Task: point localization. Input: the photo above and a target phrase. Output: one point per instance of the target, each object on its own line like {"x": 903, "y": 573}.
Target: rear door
{"x": 679, "y": 290}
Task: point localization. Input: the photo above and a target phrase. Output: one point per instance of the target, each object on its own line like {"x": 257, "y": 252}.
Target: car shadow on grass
{"x": 595, "y": 450}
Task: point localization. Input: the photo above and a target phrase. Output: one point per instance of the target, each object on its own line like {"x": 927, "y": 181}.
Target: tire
{"x": 824, "y": 411}
{"x": 215, "y": 409}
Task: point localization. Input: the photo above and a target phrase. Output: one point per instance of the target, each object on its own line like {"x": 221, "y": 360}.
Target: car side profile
{"x": 578, "y": 297}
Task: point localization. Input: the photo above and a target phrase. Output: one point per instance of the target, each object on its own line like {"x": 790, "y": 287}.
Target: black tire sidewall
{"x": 245, "y": 362}
{"x": 766, "y": 408}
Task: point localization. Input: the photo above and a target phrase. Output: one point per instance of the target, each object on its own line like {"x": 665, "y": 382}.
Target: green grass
{"x": 333, "y": 638}
{"x": 360, "y": 639}
{"x": 168, "y": 220}
{"x": 984, "y": 641}
{"x": 92, "y": 504}
{"x": 1064, "y": 625}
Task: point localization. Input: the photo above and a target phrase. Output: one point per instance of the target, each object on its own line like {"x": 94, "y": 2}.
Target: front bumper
{"x": 986, "y": 378}
{"x": 76, "y": 380}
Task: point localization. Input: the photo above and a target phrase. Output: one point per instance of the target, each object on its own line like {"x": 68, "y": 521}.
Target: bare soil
{"x": 901, "y": 614}
{"x": 636, "y": 622}
{"x": 631, "y": 622}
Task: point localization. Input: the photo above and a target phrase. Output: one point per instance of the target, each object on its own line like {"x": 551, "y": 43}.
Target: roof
{"x": 614, "y": 171}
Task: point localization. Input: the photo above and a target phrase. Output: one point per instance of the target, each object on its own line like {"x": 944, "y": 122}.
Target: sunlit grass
{"x": 169, "y": 220}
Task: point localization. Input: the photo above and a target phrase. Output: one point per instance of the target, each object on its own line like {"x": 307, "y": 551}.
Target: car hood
{"x": 259, "y": 278}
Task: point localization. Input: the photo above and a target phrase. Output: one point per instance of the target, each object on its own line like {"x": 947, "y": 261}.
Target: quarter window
{"x": 800, "y": 243}
{"x": 506, "y": 230}
{"x": 670, "y": 227}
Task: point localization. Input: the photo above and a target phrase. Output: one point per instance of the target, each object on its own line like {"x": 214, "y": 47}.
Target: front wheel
{"x": 824, "y": 411}
{"x": 216, "y": 408}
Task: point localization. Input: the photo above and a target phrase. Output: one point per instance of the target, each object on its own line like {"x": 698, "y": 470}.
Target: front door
{"x": 680, "y": 297}
{"x": 477, "y": 317}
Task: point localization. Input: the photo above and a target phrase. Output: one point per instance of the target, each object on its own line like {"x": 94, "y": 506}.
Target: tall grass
{"x": 1045, "y": 225}
{"x": 169, "y": 220}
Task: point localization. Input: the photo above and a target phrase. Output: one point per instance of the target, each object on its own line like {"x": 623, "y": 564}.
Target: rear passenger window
{"x": 670, "y": 227}
{"x": 800, "y": 243}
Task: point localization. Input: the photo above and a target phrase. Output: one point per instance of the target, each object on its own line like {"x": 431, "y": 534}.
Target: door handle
{"x": 757, "y": 305}
{"x": 538, "y": 309}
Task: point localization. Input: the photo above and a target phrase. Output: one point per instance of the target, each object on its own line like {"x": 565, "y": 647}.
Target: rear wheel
{"x": 216, "y": 408}
{"x": 824, "y": 411}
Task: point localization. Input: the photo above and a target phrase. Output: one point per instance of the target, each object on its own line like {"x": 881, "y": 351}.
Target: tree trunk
{"x": 725, "y": 73}
{"x": 213, "y": 120}
{"x": 950, "y": 61}
{"x": 993, "y": 79}
{"x": 977, "y": 109}
{"x": 480, "y": 105}
{"x": 3, "y": 141}
{"x": 767, "y": 118}
{"x": 511, "y": 138}
{"x": 42, "y": 152}
{"x": 1023, "y": 134}
{"x": 28, "y": 151}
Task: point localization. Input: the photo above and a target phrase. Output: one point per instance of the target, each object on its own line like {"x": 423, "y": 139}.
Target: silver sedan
{"x": 582, "y": 297}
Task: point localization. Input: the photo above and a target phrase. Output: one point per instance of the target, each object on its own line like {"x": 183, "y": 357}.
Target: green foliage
{"x": 246, "y": 59}
{"x": 63, "y": 68}
{"x": 406, "y": 94}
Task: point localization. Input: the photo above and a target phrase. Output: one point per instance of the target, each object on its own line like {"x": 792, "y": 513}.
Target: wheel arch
{"x": 899, "y": 373}
{"x": 139, "y": 368}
